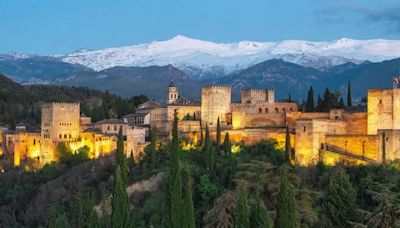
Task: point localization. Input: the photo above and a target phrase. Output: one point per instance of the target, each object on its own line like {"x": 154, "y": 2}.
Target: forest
{"x": 209, "y": 185}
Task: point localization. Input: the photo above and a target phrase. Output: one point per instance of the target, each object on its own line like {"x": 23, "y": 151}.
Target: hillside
{"x": 20, "y": 103}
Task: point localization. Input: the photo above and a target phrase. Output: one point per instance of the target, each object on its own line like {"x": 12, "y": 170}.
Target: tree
{"x": 57, "y": 217}
{"x": 207, "y": 148}
{"x": 349, "y": 103}
{"x": 286, "y": 215}
{"x": 120, "y": 214}
{"x": 188, "y": 219}
{"x": 174, "y": 183}
{"x": 242, "y": 209}
{"x": 218, "y": 137}
{"x": 121, "y": 158}
{"x": 340, "y": 201}
{"x": 258, "y": 214}
{"x": 290, "y": 98}
{"x": 310, "y": 100}
{"x": 288, "y": 148}
{"x": 387, "y": 212}
{"x": 227, "y": 144}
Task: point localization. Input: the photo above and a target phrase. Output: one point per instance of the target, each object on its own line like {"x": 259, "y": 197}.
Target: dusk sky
{"x": 62, "y": 26}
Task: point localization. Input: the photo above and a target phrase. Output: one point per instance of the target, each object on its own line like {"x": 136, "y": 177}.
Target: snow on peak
{"x": 189, "y": 53}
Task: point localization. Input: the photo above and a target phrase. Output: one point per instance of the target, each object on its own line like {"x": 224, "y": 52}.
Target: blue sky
{"x": 62, "y": 26}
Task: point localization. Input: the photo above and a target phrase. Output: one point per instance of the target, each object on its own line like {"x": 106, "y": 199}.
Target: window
{"x": 34, "y": 141}
{"x": 276, "y": 110}
{"x": 108, "y": 128}
{"x": 284, "y": 110}
{"x": 266, "y": 110}
{"x": 115, "y": 127}
{"x": 60, "y": 136}
{"x": 259, "y": 110}
{"x": 304, "y": 128}
{"x": 65, "y": 136}
{"x": 291, "y": 109}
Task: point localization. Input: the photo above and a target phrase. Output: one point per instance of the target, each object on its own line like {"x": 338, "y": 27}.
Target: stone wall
{"x": 248, "y": 96}
{"x": 357, "y": 122}
{"x": 361, "y": 145}
{"x": 389, "y": 145}
{"x": 216, "y": 102}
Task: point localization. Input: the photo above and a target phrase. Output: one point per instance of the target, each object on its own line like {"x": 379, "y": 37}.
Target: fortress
{"x": 349, "y": 135}
{"x": 62, "y": 123}
{"x": 341, "y": 135}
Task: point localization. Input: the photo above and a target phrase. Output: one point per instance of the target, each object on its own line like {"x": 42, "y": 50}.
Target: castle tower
{"x": 60, "y": 123}
{"x": 215, "y": 102}
{"x": 172, "y": 93}
{"x": 383, "y": 109}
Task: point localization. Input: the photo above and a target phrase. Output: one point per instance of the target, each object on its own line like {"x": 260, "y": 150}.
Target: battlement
{"x": 217, "y": 87}
{"x": 256, "y": 90}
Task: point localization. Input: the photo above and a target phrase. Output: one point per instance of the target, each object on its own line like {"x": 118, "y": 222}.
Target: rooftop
{"x": 111, "y": 121}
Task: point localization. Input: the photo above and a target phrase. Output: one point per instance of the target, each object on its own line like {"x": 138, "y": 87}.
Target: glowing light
{"x": 236, "y": 149}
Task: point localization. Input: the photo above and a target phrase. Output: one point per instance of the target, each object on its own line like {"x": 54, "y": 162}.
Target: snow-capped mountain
{"x": 202, "y": 58}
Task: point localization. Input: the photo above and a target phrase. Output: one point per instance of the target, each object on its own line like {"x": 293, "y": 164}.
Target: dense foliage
{"x": 22, "y": 104}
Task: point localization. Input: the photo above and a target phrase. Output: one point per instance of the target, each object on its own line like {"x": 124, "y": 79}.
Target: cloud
{"x": 384, "y": 14}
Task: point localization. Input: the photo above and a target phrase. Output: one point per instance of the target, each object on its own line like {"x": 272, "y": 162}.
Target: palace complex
{"x": 350, "y": 135}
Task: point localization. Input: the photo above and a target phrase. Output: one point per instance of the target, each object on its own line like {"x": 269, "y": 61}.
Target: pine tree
{"x": 218, "y": 135}
{"x": 286, "y": 216}
{"x": 242, "y": 209}
{"x": 319, "y": 103}
{"x": 188, "y": 218}
{"x": 174, "y": 195}
{"x": 310, "y": 100}
{"x": 121, "y": 159}
{"x": 120, "y": 216}
{"x": 288, "y": 148}
{"x": 258, "y": 214}
{"x": 227, "y": 144}
{"x": 340, "y": 201}
{"x": 349, "y": 103}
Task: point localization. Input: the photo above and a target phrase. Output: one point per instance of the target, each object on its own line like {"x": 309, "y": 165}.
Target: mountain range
{"x": 287, "y": 66}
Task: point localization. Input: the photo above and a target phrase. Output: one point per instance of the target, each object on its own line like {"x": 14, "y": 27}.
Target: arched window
{"x": 266, "y": 110}
{"x": 34, "y": 141}
{"x": 291, "y": 109}
{"x": 260, "y": 110}
{"x": 276, "y": 110}
{"x": 284, "y": 110}
{"x": 304, "y": 128}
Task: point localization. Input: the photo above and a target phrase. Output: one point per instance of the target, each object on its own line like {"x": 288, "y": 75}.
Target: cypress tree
{"x": 288, "y": 148}
{"x": 290, "y": 98}
{"x": 212, "y": 160}
{"x": 207, "y": 148}
{"x": 188, "y": 218}
{"x": 227, "y": 144}
{"x": 121, "y": 159}
{"x": 339, "y": 201}
{"x": 349, "y": 103}
{"x": 310, "y": 100}
{"x": 201, "y": 135}
{"x": 286, "y": 206}
{"x": 341, "y": 103}
{"x": 218, "y": 134}
{"x": 242, "y": 209}
{"x": 174, "y": 194}
{"x": 258, "y": 214}
{"x": 120, "y": 215}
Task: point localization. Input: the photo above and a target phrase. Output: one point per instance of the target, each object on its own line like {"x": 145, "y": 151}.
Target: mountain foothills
{"x": 147, "y": 68}
{"x": 22, "y": 103}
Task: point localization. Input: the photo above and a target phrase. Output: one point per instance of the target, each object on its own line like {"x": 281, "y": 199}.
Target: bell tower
{"x": 172, "y": 93}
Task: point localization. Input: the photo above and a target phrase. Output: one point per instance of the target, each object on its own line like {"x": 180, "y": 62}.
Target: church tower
{"x": 172, "y": 93}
